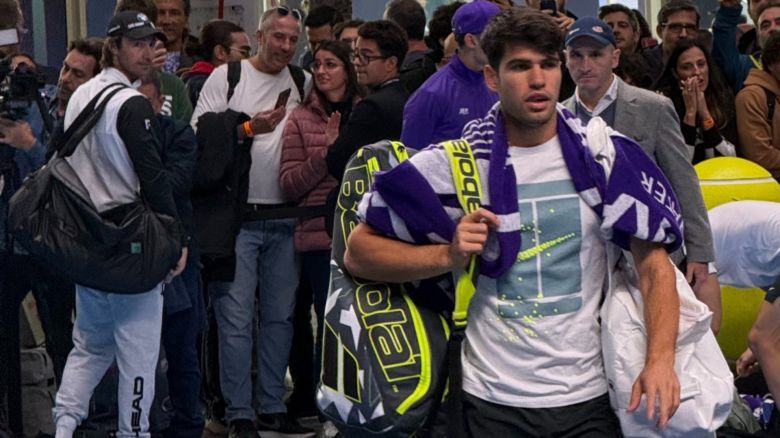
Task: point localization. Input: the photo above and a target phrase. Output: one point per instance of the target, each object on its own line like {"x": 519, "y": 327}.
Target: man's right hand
{"x": 266, "y": 121}
{"x": 470, "y": 236}
{"x": 159, "y": 55}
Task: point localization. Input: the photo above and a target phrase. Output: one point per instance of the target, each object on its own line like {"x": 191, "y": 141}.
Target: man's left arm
{"x": 658, "y": 379}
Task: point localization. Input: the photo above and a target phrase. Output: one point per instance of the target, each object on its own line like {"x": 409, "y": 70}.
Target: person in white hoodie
{"x": 118, "y": 161}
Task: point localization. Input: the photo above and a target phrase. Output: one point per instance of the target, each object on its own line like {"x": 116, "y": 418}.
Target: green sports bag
{"x": 385, "y": 348}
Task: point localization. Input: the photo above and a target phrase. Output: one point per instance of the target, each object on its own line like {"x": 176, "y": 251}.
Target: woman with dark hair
{"x": 702, "y": 100}
{"x": 304, "y": 177}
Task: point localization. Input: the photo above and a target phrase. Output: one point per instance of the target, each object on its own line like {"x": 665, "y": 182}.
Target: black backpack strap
{"x": 233, "y": 76}
{"x": 86, "y": 120}
{"x": 299, "y": 78}
{"x": 771, "y": 99}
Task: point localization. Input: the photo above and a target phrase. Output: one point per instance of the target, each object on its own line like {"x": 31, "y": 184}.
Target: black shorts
{"x": 590, "y": 419}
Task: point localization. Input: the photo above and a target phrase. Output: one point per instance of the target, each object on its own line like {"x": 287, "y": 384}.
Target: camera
{"x": 19, "y": 88}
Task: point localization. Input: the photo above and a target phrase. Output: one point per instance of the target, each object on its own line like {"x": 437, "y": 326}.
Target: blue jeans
{"x": 266, "y": 261}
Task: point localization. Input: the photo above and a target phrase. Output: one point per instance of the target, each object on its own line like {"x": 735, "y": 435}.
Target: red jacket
{"x": 304, "y": 174}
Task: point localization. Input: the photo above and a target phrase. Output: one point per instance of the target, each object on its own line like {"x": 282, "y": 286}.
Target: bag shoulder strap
{"x": 771, "y": 100}
{"x": 299, "y": 78}
{"x": 468, "y": 186}
{"x": 86, "y": 120}
{"x": 233, "y": 76}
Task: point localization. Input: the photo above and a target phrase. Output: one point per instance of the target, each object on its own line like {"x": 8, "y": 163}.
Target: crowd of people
{"x": 245, "y": 147}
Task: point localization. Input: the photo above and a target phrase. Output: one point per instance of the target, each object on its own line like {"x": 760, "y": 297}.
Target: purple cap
{"x": 591, "y": 27}
{"x": 473, "y": 17}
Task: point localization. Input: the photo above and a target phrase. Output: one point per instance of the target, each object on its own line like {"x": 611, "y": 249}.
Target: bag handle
{"x": 468, "y": 187}
{"x": 469, "y": 190}
{"x": 86, "y": 120}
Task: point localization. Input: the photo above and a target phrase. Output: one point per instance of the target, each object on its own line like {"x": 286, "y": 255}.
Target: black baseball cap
{"x": 133, "y": 25}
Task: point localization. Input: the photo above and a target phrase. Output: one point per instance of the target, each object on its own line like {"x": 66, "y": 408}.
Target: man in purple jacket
{"x": 457, "y": 93}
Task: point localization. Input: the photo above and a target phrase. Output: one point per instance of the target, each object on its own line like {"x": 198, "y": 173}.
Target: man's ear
{"x": 221, "y": 53}
{"x": 392, "y": 64}
{"x": 491, "y": 77}
{"x": 615, "y": 59}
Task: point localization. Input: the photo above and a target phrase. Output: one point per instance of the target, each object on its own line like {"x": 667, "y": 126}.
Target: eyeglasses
{"x": 245, "y": 52}
{"x": 328, "y": 65}
{"x": 678, "y": 27}
{"x": 366, "y": 58}
{"x": 285, "y": 11}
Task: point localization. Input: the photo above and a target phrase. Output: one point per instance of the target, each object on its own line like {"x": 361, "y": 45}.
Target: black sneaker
{"x": 242, "y": 428}
{"x": 281, "y": 425}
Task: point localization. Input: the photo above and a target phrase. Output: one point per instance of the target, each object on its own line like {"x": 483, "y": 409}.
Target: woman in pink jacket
{"x": 304, "y": 177}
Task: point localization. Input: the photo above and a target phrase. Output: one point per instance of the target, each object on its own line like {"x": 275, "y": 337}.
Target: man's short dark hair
{"x": 611, "y": 9}
{"x": 440, "y": 25}
{"x": 339, "y": 28}
{"x": 145, "y": 7}
{"x": 520, "y": 27}
{"x": 216, "y": 33}
{"x": 91, "y": 46}
{"x": 675, "y": 6}
{"x": 389, "y": 36}
{"x": 770, "y": 55}
{"x": 153, "y": 78}
{"x": 321, "y": 16}
{"x": 410, "y": 15}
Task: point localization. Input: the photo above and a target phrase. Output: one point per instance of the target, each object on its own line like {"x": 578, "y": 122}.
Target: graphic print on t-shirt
{"x": 546, "y": 278}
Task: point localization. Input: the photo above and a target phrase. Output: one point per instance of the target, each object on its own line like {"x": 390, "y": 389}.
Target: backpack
{"x": 384, "y": 358}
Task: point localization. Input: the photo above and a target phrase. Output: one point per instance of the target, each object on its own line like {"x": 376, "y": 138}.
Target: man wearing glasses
{"x": 265, "y": 258}
{"x": 677, "y": 20}
{"x": 379, "y": 54}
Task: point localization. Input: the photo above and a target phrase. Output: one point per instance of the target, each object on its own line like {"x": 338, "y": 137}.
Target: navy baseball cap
{"x": 473, "y": 17}
{"x": 591, "y": 27}
{"x": 134, "y": 25}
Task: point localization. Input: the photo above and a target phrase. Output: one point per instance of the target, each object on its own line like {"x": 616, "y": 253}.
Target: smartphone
{"x": 283, "y": 97}
{"x": 549, "y": 5}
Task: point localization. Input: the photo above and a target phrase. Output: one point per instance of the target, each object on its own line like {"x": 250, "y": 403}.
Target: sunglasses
{"x": 285, "y": 11}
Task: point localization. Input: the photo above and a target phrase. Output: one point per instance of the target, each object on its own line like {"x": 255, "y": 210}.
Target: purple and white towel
{"x": 417, "y": 202}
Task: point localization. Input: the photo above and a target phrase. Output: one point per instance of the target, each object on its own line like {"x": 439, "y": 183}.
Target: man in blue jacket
{"x": 457, "y": 93}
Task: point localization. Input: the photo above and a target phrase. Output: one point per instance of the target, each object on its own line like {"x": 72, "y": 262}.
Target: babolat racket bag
{"x": 384, "y": 358}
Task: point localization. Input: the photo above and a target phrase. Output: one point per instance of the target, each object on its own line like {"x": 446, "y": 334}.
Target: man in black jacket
{"x": 379, "y": 54}
{"x": 183, "y": 309}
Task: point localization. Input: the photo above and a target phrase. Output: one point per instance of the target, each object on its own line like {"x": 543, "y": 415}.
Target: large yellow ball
{"x": 727, "y": 179}
{"x": 740, "y": 307}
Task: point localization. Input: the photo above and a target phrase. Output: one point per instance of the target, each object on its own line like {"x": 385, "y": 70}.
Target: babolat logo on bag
{"x": 384, "y": 352}
{"x": 378, "y": 376}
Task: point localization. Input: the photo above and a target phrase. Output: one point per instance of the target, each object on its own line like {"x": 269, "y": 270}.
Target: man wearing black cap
{"x": 119, "y": 162}
{"x": 651, "y": 120}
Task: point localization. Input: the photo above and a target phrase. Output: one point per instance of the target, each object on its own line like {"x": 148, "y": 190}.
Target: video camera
{"x": 18, "y": 89}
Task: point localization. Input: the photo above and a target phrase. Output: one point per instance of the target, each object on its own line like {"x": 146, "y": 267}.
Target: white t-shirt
{"x": 533, "y": 338}
{"x": 746, "y": 238}
{"x": 256, "y": 91}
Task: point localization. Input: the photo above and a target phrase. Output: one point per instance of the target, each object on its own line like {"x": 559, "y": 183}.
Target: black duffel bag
{"x": 127, "y": 249}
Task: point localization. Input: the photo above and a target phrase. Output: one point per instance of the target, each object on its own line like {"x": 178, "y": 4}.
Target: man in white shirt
{"x": 265, "y": 256}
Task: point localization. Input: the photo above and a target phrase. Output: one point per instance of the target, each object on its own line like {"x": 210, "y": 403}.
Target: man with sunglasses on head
{"x": 265, "y": 258}
{"x": 379, "y": 54}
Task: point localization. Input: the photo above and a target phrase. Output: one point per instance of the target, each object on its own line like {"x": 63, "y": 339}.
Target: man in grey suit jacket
{"x": 650, "y": 119}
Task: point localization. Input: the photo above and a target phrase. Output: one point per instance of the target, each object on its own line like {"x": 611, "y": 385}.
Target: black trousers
{"x": 590, "y": 419}
{"x": 55, "y": 298}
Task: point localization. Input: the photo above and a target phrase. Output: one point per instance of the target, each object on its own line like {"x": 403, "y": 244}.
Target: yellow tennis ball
{"x": 727, "y": 179}
{"x": 740, "y": 308}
